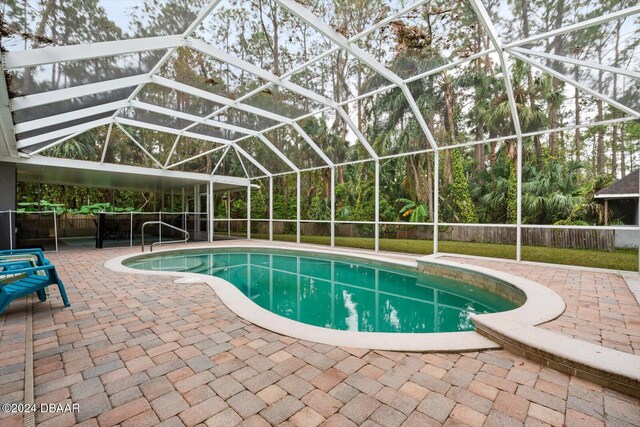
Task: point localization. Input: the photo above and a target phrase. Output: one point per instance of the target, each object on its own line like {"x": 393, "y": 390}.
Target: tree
{"x": 461, "y": 206}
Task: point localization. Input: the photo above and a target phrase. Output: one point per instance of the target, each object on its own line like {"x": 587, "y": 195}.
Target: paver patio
{"x": 138, "y": 350}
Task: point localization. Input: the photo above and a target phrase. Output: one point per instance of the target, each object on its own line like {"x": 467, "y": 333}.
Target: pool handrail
{"x": 161, "y": 223}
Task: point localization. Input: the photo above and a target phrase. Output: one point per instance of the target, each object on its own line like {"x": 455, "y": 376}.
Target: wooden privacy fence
{"x": 570, "y": 238}
{"x": 549, "y": 237}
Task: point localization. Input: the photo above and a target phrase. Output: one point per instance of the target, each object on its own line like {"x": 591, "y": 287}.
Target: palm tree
{"x": 550, "y": 192}
{"x": 489, "y": 192}
{"x": 416, "y": 211}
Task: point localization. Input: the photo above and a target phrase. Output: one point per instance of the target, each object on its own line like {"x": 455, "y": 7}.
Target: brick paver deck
{"x": 600, "y": 306}
{"x": 138, "y": 350}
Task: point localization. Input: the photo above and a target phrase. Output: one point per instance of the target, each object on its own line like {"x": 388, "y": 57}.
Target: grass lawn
{"x": 621, "y": 259}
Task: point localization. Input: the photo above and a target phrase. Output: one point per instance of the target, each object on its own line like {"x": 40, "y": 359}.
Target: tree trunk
{"x": 614, "y": 139}
{"x": 600, "y": 143}
{"x": 479, "y": 150}
{"x": 555, "y": 83}
{"x": 417, "y": 178}
{"x": 28, "y": 77}
{"x": 430, "y": 188}
{"x": 576, "y": 135}
{"x": 492, "y": 148}
{"x": 450, "y": 124}
{"x": 623, "y": 156}
{"x": 209, "y": 163}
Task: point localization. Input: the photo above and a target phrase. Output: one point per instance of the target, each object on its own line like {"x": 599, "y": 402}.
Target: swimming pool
{"x": 345, "y": 294}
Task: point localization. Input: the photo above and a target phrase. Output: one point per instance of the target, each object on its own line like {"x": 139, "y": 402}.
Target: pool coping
{"x": 542, "y": 304}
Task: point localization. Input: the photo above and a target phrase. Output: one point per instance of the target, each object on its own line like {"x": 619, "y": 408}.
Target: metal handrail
{"x": 161, "y": 223}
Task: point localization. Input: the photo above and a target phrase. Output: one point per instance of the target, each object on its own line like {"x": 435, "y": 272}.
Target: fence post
{"x": 131, "y": 230}
{"x": 55, "y": 229}
{"x": 160, "y": 226}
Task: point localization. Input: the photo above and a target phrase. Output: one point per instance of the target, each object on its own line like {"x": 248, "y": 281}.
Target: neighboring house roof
{"x": 624, "y": 188}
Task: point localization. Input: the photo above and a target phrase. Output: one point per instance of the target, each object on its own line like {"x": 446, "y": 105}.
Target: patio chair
{"x": 20, "y": 277}
{"x": 19, "y": 254}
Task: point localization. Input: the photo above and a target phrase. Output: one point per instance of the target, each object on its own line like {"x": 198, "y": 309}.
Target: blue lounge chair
{"x": 36, "y": 254}
{"x": 19, "y": 277}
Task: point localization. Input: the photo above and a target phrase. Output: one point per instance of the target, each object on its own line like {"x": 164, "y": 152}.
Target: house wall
{"x": 8, "y": 181}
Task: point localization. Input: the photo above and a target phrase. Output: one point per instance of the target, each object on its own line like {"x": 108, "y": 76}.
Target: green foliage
{"x": 512, "y": 196}
{"x": 238, "y": 208}
{"x": 462, "y": 208}
{"x": 550, "y": 192}
{"x": 259, "y": 203}
{"x": 100, "y": 207}
{"x": 40, "y": 206}
{"x": 61, "y": 208}
{"x": 414, "y": 211}
{"x": 320, "y": 209}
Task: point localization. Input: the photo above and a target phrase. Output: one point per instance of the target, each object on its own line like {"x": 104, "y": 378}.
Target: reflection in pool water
{"x": 339, "y": 293}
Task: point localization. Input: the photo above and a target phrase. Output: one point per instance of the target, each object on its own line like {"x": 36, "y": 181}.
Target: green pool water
{"x": 340, "y": 293}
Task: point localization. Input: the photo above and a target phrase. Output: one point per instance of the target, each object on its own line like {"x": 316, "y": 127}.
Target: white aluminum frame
{"x": 37, "y": 99}
{"x": 79, "y": 52}
{"x": 485, "y": 20}
{"x": 516, "y": 49}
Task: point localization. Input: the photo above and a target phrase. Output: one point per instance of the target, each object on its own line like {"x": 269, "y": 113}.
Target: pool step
{"x": 610, "y": 368}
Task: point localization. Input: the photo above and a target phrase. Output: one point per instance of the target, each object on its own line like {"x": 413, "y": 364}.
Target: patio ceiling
{"x": 121, "y": 177}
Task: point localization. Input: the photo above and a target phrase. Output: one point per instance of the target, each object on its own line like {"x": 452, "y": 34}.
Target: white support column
{"x": 213, "y": 215}
{"x": 196, "y": 211}
{"x": 333, "y": 206}
{"x": 210, "y": 210}
{"x": 183, "y": 208}
{"x": 270, "y": 208}
{"x": 377, "y": 207}
{"x": 11, "y": 229}
{"x": 519, "y": 202}
{"x": 249, "y": 211}
{"x": 131, "y": 230}
{"x": 55, "y": 229}
{"x": 436, "y": 199}
{"x": 298, "y": 207}
{"x": 228, "y": 214}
